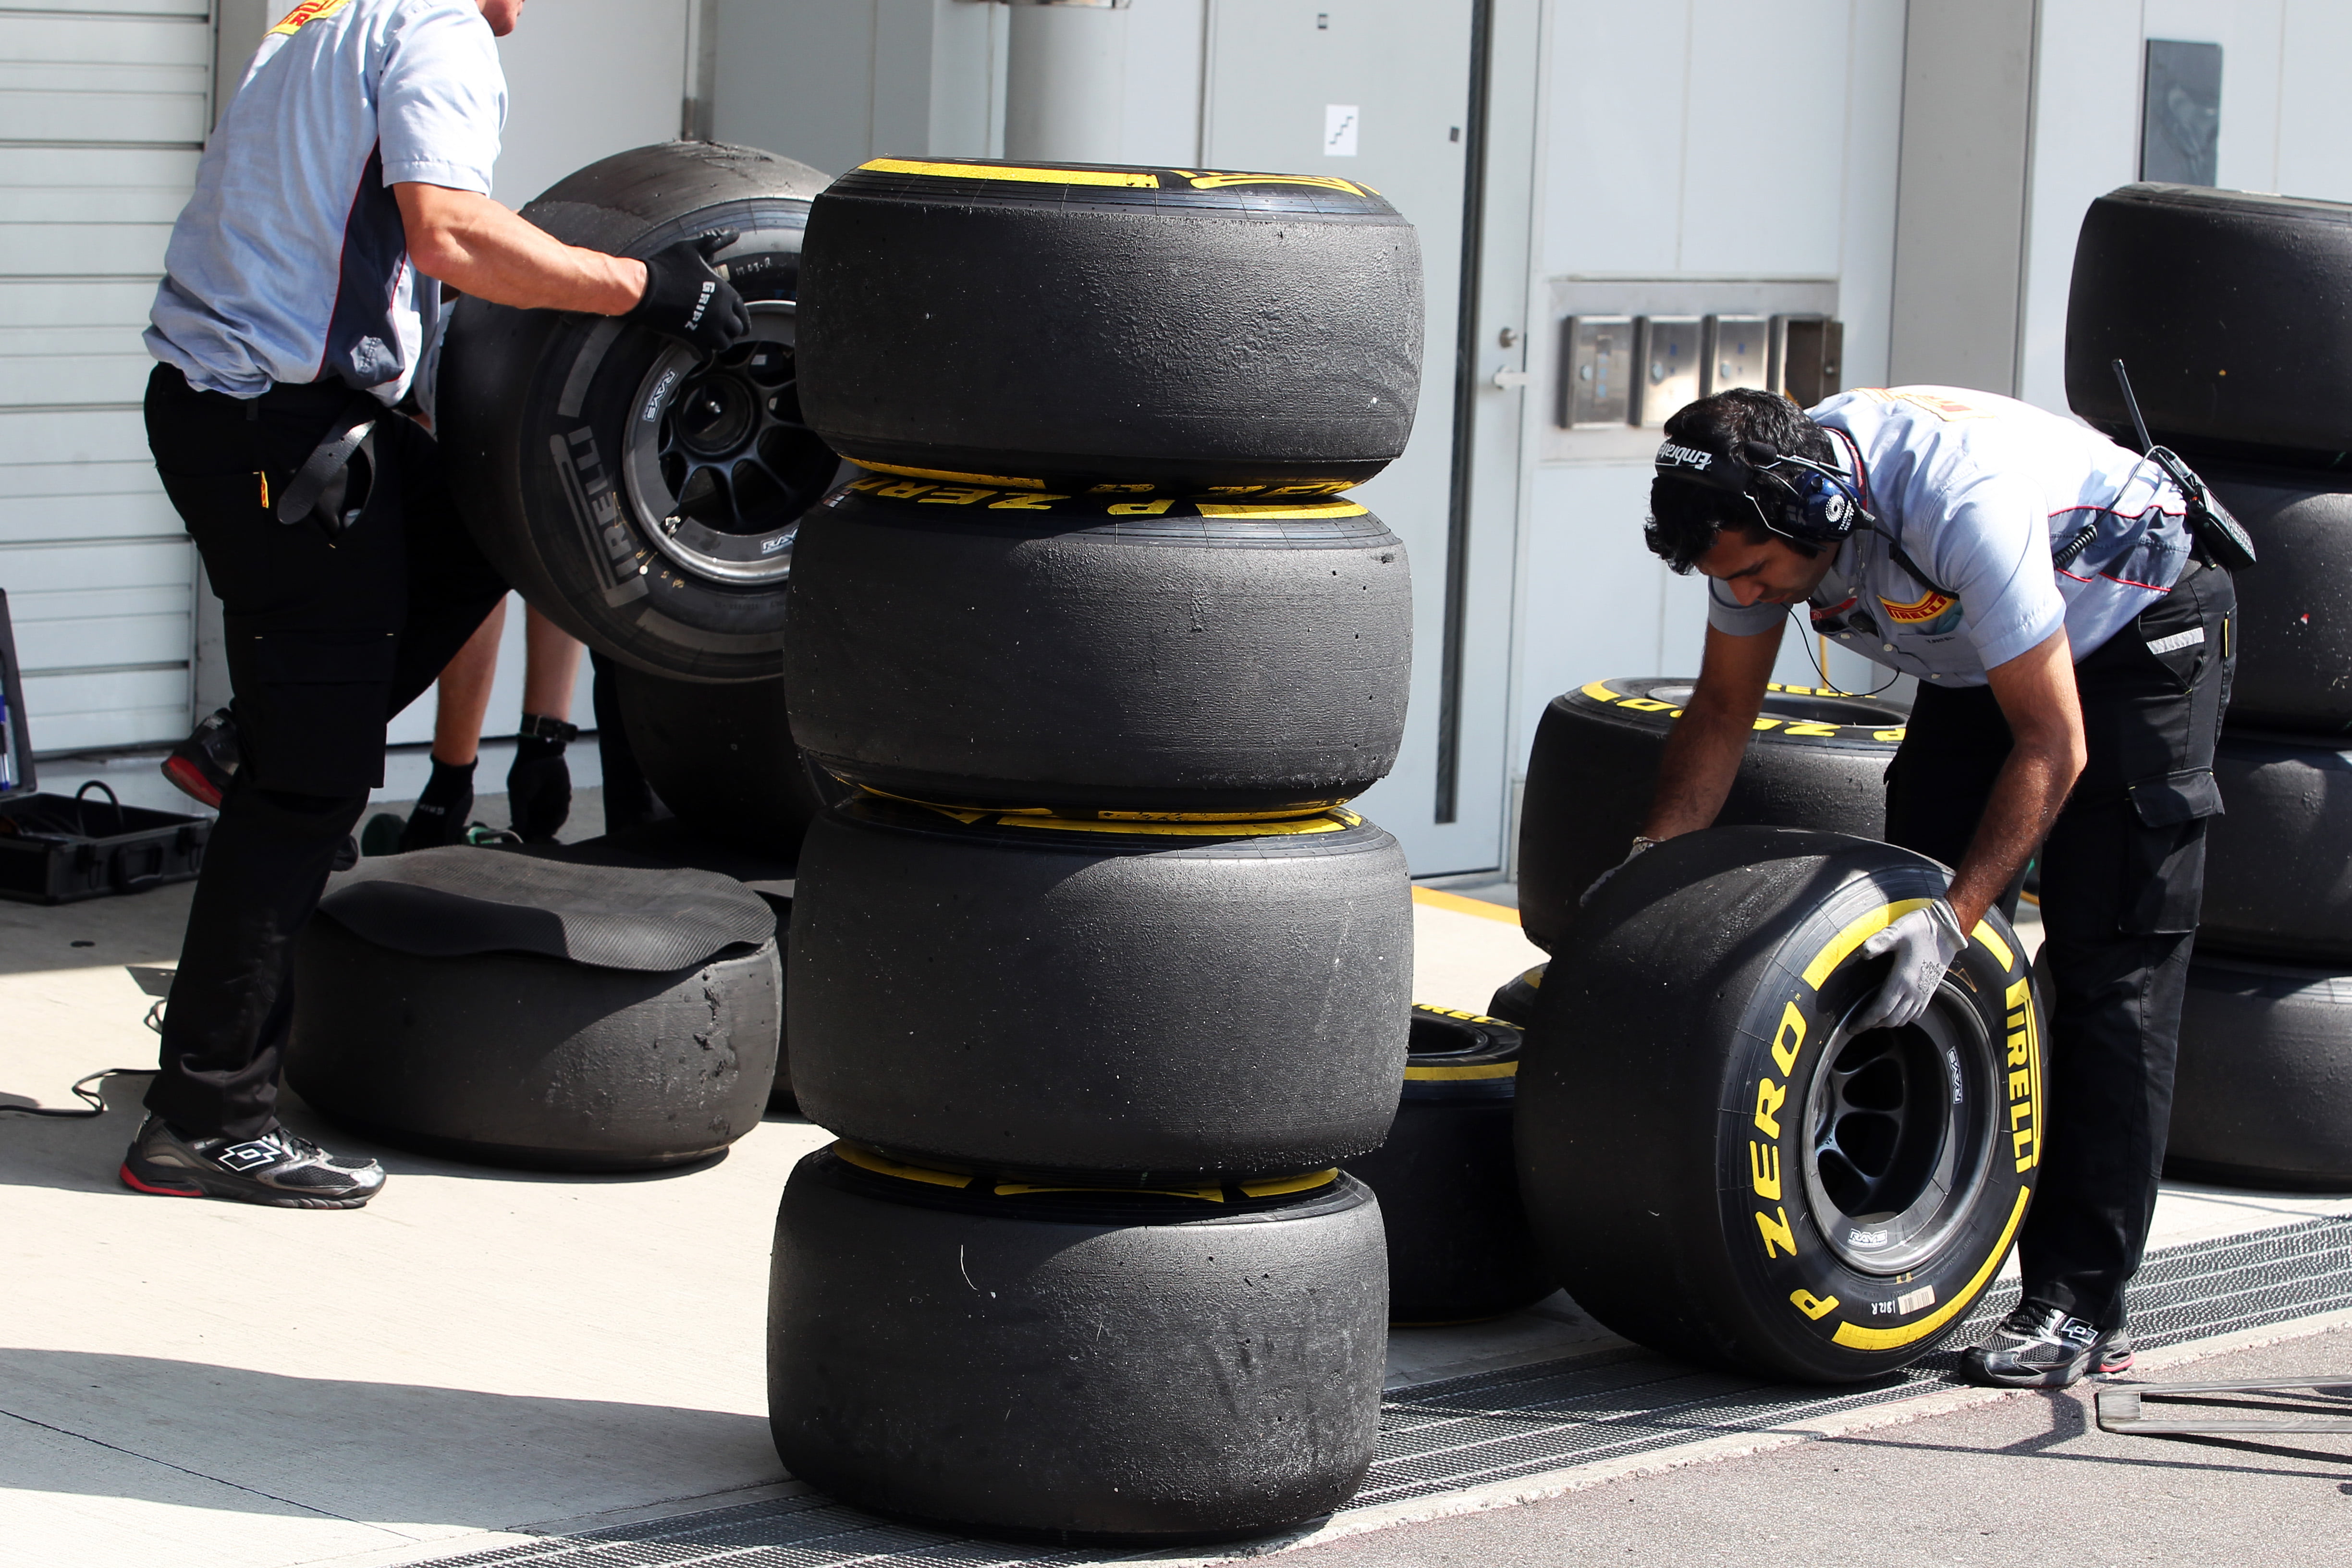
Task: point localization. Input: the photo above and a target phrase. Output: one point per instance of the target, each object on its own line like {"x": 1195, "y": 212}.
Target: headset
{"x": 1810, "y": 503}
{"x": 1794, "y": 496}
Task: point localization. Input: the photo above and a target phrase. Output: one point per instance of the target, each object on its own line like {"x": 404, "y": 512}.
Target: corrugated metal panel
{"x": 103, "y": 110}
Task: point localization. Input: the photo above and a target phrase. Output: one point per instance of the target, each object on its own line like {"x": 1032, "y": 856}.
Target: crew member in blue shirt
{"x": 346, "y": 182}
{"x": 2064, "y": 608}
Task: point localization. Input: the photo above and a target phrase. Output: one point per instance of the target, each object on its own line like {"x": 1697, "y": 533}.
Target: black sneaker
{"x": 2043, "y": 1346}
{"x": 200, "y": 766}
{"x": 277, "y": 1168}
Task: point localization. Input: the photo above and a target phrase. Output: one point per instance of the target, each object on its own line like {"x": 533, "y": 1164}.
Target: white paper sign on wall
{"x": 1338, "y": 129}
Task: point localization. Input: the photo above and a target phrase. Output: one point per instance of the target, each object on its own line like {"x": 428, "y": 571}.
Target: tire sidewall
{"x": 1818, "y": 1311}
{"x": 611, "y": 586}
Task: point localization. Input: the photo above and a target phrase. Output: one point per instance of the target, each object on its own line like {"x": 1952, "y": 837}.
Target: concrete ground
{"x": 481, "y": 1353}
{"x": 2025, "y": 1479}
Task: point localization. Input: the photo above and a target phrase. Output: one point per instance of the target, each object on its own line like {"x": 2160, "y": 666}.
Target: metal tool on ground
{"x": 2124, "y": 1407}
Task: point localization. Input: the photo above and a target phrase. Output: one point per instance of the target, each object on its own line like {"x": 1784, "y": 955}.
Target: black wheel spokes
{"x": 733, "y": 449}
{"x": 1877, "y": 1137}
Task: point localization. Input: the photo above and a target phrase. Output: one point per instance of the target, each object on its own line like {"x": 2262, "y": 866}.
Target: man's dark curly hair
{"x": 1685, "y": 518}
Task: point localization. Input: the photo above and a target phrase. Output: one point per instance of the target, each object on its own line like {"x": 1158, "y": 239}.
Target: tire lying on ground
{"x": 642, "y": 500}
{"x": 2293, "y": 625}
{"x": 1715, "y": 1168}
{"x": 1818, "y": 760}
{"x": 1136, "y": 1002}
{"x": 1080, "y": 1366}
{"x": 992, "y": 647}
{"x": 1515, "y": 999}
{"x": 1189, "y": 330}
{"x": 2278, "y": 863}
{"x": 2263, "y": 1096}
{"x": 519, "y": 1011}
{"x": 1459, "y": 1247}
{"x": 722, "y": 759}
{"x": 2241, "y": 339}
{"x": 671, "y": 845}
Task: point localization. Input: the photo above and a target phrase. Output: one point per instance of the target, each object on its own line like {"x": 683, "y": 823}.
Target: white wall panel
{"x": 1764, "y": 139}
{"x": 1687, "y": 142}
{"x": 1596, "y": 596}
{"x": 1873, "y": 143}
{"x": 1614, "y": 163}
{"x": 834, "y": 82}
{"x": 1161, "y": 124}
{"x": 2249, "y": 34}
{"x": 106, "y": 106}
{"x": 2085, "y": 144}
{"x": 2314, "y": 129}
{"x": 587, "y": 79}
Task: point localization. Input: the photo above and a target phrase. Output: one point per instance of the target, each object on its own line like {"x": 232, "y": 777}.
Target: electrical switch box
{"x": 1808, "y": 355}
{"x": 1597, "y": 385}
{"x": 1739, "y": 353}
{"x": 1672, "y": 362}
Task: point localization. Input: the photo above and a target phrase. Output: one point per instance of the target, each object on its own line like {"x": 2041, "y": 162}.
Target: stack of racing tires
{"x": 2240, "y": 357}
{"x": 1095, "y": 979}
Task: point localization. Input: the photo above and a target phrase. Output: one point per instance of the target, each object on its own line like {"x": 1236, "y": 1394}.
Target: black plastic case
{"x": 56, "y": 849}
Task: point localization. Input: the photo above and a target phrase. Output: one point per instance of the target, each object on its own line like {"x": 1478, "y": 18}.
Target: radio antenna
{"x": 2123, "y": 379}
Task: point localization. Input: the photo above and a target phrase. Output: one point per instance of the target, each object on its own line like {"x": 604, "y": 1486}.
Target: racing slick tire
{"x": 992, "y": 647}
{"x": 1818, "y": 760}
{"x": 1135, "y": 1003}
{"x": 1062, "y": 327}
{"x": 1459, "y": 1246}
{"x": 2263, "y": 1095}
{"x": 2293, "y": 625}
{"x": 1715, "y": 1168}
{"x": 521, "y": 1010}
{"x": 1075, "y": 1365}
{"x": 2237, "y": 339}
{"x": 2278, "y": 863}
{"x": 1515, "y": 999}
{"x": 640, "y": 497}
{"x": 722, "y": 759}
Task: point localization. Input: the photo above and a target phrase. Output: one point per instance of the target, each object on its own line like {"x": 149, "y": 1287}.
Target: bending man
{"x": 2071, "y": 637}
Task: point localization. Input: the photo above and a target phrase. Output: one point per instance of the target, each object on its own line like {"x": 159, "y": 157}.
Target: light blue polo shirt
{"x": 289, "y": 263}
{"x": 1978, "y": 489}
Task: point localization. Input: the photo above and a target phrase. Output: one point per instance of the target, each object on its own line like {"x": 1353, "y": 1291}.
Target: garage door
{"x": 103, "y": 115}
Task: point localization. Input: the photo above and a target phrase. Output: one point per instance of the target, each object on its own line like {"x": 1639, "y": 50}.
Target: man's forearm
{"x": 1702, "y": 753}
{"x": 478, "y": 247}
{"x": 2044, "y": 712}
{"x": 1695, "y": 768}
{"x": 2026, "y": 797}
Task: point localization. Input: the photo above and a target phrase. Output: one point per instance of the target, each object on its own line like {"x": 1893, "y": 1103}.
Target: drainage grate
{"x": 1503, "y": 1425}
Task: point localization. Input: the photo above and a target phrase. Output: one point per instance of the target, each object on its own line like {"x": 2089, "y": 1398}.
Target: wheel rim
{"x": 719, "y": 462}
{"x": 1899, "y": 1135}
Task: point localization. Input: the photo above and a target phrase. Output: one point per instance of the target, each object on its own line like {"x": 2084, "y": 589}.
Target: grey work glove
{"x": 1640, "y": 844}
{"x": 1924, "y": 943}
{"x": 686, "y": 298}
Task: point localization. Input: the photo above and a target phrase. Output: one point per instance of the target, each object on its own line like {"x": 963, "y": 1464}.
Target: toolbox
{"x": 57, "y": 849}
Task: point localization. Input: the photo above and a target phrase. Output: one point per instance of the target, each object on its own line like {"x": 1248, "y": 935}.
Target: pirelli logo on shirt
{"x": 1930, "y": 613}
{"x": 308, "y": 11}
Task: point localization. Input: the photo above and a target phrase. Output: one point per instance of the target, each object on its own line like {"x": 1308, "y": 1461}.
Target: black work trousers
{"x": 325, "y": 642}
{"x": 2123, "y": 875}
